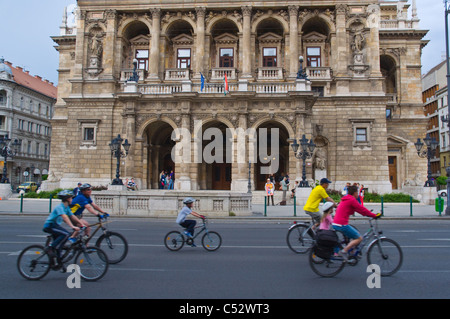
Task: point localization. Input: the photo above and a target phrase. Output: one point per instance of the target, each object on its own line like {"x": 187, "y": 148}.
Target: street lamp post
{"x": 117, "y": 152}
{"x": 303, "y": 151}
{"x": 6, "y": 151}
{"x": 249, "y": 186}
{"x": 428, "y": 153}
{"x": 301, "y": 74}
{"x": 135, "y": 76}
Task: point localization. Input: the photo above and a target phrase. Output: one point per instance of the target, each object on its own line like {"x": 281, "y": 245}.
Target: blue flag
{"x": 202, "y": 78}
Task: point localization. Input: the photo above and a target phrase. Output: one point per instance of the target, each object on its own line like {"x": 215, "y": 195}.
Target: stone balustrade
{"x": 167, "y": 203}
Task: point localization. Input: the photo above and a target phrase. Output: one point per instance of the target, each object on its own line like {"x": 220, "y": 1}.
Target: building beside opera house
{"x": 175, "y": 78}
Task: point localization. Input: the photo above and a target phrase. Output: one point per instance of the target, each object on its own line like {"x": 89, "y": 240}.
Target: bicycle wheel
{"x": 387, "y": 254}
{"x": 93, "y": 263}
{"x": 325, "y": 267}
{"x": 300, "y": 239}
{"x": 115, "y": 246}
{"x": 33, "y": 262}
{"x": 174, "y": 240}
{"x": 211, "y": 241}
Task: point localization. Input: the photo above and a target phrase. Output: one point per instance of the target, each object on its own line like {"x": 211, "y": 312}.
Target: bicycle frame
{"x": 203, "y": 228}
{"x": 369, "y": 237}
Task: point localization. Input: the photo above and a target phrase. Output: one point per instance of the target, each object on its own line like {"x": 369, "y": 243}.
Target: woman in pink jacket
{"x": 348, "y": 205}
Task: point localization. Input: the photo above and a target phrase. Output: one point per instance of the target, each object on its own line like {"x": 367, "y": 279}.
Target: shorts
{"x": 348, "y": 231}
{"x": 316, "y": 216}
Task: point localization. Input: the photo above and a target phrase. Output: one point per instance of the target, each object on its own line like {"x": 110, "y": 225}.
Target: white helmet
{"x": 327, "y": 206}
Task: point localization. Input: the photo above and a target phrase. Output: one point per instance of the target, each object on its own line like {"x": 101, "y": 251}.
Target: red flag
{"x": 226, "y": 84}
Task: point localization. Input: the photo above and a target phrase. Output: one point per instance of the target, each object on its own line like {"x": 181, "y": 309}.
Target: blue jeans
{"x": 189, "y": 225}
{"x": 59, "y": 234}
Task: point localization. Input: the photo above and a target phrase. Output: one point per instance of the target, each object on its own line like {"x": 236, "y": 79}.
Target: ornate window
{"x": 362, "y": 132}
{"x": 269, "y": 57}
{"x": 184, "y": 58}
{"x": 88, "y": 131}
{"x": 226, "y": 58}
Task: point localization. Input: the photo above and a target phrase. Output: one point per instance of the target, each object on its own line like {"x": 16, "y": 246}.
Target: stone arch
{"x": 156, "y": 135}
{"x": 216, "y": 19}
{"x": 267, "y": 16}
{"x": 127, "y": 23}
{"x": 389, "y": 65}
{"x": 143, "y": 127}
{"x": 319, "y": 17}
{"x": 280, "y": 120}
{"x": 273, "y": 161}
{"x": 170, "y": 22}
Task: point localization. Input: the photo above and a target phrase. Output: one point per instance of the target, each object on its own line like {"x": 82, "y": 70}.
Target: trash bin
{"x": 439, "y": 204}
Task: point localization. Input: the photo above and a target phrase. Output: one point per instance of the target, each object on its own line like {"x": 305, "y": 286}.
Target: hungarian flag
{"x": 225, "y": 80}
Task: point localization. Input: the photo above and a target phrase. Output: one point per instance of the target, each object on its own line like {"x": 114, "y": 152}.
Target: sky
{"x": 27, "y": 25}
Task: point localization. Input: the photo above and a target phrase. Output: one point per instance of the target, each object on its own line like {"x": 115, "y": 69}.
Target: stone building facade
{"x": 26, "y": 108}
{"x": 360, "y": 101}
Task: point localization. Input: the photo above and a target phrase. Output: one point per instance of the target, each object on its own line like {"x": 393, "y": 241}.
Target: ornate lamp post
{"x": 135, "y": 76}
{"x": 305, "y": 152}
{"x": 428, "y": 153}
{"x": 6, "y": 151}
{"x": 301, "y": 74}
{"x": 118, "y": 153}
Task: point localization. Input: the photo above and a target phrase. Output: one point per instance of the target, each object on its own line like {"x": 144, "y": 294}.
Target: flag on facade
{"x": 225, "y": 79}
{"x": 202, "y": 79}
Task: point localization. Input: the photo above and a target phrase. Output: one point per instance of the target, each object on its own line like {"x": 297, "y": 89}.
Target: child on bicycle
{"x": 327, "y": 218}
{"x": 348, "y": 205}
{"x": 188, "y": 224}
{"x": 53, "y": 223}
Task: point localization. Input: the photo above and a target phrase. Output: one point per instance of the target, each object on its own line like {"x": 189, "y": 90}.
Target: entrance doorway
{"x": 393, "y": 171}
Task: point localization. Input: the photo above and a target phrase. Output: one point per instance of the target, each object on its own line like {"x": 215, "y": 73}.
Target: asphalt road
{"x": 253, "y": 263}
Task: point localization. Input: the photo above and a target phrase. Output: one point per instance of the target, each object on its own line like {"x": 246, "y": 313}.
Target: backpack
{"x": 326, "y": 241}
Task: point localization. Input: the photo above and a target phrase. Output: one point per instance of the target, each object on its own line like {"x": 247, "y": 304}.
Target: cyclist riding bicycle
{"x": 348, "y": 205}
{"x": 318, "y": 194}
{"x": 188, "y": 224}
{"x": 53, "y": 223}
{"x": 83, "y": 201}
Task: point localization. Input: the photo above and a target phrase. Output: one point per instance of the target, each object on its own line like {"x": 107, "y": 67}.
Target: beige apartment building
{"x": 233, "y": 66}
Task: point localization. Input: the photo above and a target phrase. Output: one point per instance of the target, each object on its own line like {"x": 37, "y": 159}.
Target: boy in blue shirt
{"x": 188, "y": 223}
{"x": 53, "y": 223}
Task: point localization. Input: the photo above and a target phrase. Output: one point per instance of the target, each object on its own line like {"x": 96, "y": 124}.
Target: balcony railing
{"x": 125, "y": 74}
{"x": 218, "y": 74}
{"x": 177, "y": 74}
{"x": 319, "y": 74}
{"x": 270, "y": 73}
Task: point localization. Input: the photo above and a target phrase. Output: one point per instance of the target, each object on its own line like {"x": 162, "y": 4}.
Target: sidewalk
{"x": 41, "y": 207}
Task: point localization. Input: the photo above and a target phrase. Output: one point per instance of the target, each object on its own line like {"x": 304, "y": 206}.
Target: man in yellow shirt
{"x": 318, "y": 194}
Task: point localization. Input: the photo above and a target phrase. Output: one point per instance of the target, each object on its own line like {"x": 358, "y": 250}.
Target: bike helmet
{"x": 327, "y": 206}
{"x": 85, "y": 186}
{"x": 188, "y": 200}
{"x": 65, "y": 194}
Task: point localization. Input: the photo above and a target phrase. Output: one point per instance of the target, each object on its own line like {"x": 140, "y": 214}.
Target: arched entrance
{"x": 273, "y": 154}
{"x": 159, "y": 152}
{"x": 215, "y": 170}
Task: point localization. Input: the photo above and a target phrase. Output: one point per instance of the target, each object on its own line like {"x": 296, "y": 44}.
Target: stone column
{"x": 246, "y": 39}
{"x": 373, "y": 11}
{"x": 109, "y": 44}
{"x": 200, "y": 42}
{"x": 130, "y": 116}
{"x": 154, "y": 50}
{"x": 342, "y": 49}
{"x": 79, "y": 49}
{"x": 183, "y": 178}
{"x": 293, "y": 41}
